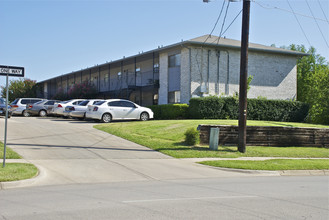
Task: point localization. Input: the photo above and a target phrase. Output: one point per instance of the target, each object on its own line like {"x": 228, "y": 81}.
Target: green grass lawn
{"x": 275, "y": 164}
{"x": 167, "y": 136}
{"x": 17, "y": 171}
{"x": 10, "y": 154}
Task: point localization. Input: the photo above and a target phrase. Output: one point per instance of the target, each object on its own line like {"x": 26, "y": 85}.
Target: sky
{"x": 50, "y": 38}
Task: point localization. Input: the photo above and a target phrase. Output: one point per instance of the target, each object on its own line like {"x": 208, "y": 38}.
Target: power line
{"x": 299, "y": 23}
{"x": 220, "y": 14}
{"x": 323, "y": 11}
{"x": 317, "y": 23}
{"x": 221, "y": 30}
{"x": 215, "y": 25}
{"x": 292, "y": 12}
{"x": 232, "y": 22}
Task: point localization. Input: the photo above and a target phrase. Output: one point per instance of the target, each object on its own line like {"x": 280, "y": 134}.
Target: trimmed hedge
{"x": 258, "y": 109}
{"x": 213, "y": 107}
{"x": 206, "y": 108}
{"x": 170, "y": 111}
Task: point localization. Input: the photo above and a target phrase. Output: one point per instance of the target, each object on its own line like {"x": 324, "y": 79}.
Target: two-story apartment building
{"x": 202, "y": 66}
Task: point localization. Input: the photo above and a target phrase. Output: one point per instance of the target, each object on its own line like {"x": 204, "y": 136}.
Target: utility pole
{"x": 243, "y": 77}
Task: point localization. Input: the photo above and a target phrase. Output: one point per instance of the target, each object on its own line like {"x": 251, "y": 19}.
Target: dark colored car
{"x": 40, "y": 108}
{"x": 3, "y": 108}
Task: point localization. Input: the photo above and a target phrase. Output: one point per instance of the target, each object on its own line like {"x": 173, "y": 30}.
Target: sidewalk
{"x": 228, "y": 172}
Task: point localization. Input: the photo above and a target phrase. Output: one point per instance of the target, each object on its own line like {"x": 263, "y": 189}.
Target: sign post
{"x": 9, "y": 71}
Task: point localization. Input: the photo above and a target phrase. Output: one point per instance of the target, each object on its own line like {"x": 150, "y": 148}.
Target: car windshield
{"x": 14, "y": 102}
{"x": 99, "y": 103}
{"x": 2, "y": 101}
{"x": 84, "y": 103}
{"x": 39, "y": 102}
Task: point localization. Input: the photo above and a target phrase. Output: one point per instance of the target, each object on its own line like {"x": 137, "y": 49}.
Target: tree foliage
{"x": 20, "y": 88}
{"x": 313, "y": 83}
{"x": 84, "y": 90}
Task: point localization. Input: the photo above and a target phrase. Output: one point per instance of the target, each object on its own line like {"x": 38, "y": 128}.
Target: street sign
{"x": 11, "y": 71}
{"x": 8, "y": 71}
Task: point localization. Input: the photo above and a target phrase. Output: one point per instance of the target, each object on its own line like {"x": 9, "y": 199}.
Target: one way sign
{"x": 12, "y": 71}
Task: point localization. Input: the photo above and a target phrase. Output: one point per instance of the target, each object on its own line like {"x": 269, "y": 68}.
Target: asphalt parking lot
{"x": 69, "y": 151}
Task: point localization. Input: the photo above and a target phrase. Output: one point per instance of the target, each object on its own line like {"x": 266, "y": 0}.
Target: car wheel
{"x": 26, "y": 114}
{"x": 106, "y": 118}
{"x": 42, "y": 113}
{"x": 145, "y": 116}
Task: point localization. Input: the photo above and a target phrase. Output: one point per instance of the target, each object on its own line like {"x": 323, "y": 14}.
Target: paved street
{"x": 89, "y": 174}
{"x": 289, "y": 198}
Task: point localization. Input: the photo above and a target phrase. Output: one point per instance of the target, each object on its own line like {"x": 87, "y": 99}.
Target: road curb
{"x": 304, "y": 173}
{"x": 276, "y": 172}
{"x": 24, "y": 183}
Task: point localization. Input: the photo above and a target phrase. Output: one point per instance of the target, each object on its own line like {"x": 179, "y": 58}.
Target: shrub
{"x": 231, "y": 108}
{"x": 156, "y": 110}
{"x": 170, "y": 111}
{"x": 82, "y": 90}
{"x": 191, "y": 136}
{"x": 258, "y": 109}
{"x": 60, "y": 95}
{"x": 209, "y": 107}
{"x": 277, "y": 110}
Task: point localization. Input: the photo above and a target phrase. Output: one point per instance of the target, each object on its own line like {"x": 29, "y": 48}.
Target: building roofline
{"x": 222, "y": 43}
{"x": 251, "y": 48}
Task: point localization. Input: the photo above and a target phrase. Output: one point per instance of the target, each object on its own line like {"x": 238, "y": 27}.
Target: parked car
{"x": 79, "y": 111}
{"x": 40, "y": 108}
{"x": 18, "y": 106}
{"x": 60, "y": 107}
{"x": 118, "y": 109}
{"x": 3, "y": 108}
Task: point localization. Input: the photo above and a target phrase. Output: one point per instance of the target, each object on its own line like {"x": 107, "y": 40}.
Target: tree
{"x": 84, "y": 90}
{"x": 312, "y": 83}
{"x": 20, "y": 88}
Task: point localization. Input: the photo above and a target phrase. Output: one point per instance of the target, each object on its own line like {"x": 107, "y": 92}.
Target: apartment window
{"x": 174, "y": 97}
{"x": 106, "y": 81}
{"x": 138, "y": 76}
{"x": 174, "y": 60}
{"x": 155, "y": 99}
{"x": 156, "y": 68}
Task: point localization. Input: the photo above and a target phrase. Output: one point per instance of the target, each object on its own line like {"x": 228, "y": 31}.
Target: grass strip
{"x": 10, "y": 154}
{"x": 167, "y": 136}
{"x": 17, "y": 171}
{"x": 273, "y": 164}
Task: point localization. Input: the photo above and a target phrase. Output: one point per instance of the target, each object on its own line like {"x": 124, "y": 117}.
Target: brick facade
{"x": 205, "y": 69}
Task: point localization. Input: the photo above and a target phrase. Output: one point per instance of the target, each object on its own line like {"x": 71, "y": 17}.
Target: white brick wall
{"x": 163, "y": 78}
{"x": 185, "y": 87}
{"x": 274, "y": 74}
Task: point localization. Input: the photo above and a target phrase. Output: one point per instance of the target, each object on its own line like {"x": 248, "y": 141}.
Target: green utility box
{"x": 213, "y": 138}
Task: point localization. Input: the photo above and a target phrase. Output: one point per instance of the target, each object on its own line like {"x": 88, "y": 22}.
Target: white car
{"x": 60, "y": 107}
{"x": 79, "y": 111}
{"x": 18, "y": 106}
{"x": 118, "y": 109}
